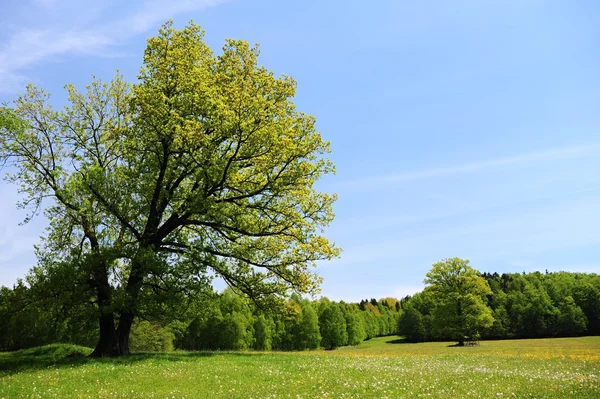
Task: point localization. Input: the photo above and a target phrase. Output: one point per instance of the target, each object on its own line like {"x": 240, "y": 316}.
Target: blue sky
{"x": 459, "y": 128}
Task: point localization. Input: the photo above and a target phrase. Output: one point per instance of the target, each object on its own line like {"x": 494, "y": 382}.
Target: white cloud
{"x": 519, "y": 234}
{"x": 155, "y": 12}
{"x": 32, "y": 45}
{"x": 45, "y": 3}
{"x": 27, "y": 47}
{"x": 547, "y": 155}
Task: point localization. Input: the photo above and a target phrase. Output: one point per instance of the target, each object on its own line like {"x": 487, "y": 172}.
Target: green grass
{"x": 380, "y": 368}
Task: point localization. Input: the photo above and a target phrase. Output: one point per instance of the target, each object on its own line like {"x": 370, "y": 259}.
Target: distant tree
{"x": 150, "y": 337}
{"x": 362, "y": 303}
{"x": 355, "y": 328}
{"x": 530, "y": 308}
{"x": 410, "y": 325}
{"x": 460, "y": 292}
{"x": 571, "y": 319}
{"x": 204, "y": 331}
{"x": 370, "y": 323}
{"x": 307, "y": 332}
{"x": 382, "y": 322}
{"x": 34, "y": 316}
{"x": 390, "y": 303}
{"x": 235, "y": 332}
{"x": 263, "y": 333}
{"x": 501, "y": 326}
{"x": 333, "y": 327}
{"x": 372, "y": 308}
{"x": 587, "y": 296}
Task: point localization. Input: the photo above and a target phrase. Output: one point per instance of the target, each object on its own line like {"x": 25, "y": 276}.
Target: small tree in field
{"x": 460, "y": 292}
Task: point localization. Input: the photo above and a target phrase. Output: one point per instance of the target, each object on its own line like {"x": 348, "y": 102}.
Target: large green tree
{"x": 203, "y": 167}
{"x": 460, "y": 292}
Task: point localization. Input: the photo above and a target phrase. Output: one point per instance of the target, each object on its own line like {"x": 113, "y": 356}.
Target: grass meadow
{"x": 379, "y": 368}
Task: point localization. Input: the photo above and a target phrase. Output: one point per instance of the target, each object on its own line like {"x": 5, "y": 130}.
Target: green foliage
{"x": 523, "y": 306}
{"x": 151, "y": 337}
{"x": 460, "y": 291}
{"x": 307, "y": 332}
{"x": 203, "y": 166}
{"x": 34, "y": 316}
{"x": 333, "y": 327}
{"x": 587, "y": 297}
{"x": 355, "y": 327}
{"x": 229, "y": 321}
{"x": 234, "y": 332}
{"x": 371, "y": 325}
{"x": 571, "y": 319}
{"x": 263, "y": 333}
{"x": 544, "y": 305}
{"x": 501, "y": 326}
{"x": 411, "y": 325}
{"x": 530, "y": 306}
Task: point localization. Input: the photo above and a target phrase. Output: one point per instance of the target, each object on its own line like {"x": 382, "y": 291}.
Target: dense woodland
{"x": 523, "y": 306}
{"x": 527, "y": 305}
{"x": 214, "y": 321}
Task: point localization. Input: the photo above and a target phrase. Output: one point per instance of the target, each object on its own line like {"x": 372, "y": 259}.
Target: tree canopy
{"x": 461, "y": 293}
{"x": 204, "y": 167}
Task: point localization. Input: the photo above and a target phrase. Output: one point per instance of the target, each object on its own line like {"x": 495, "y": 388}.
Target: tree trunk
{"x": 107, "y": 345}
{"x": 461, "y": 341}
{"x": 107, "y": 342}
{"x": 132, "y": 290}
{"x": 123, "y": 332}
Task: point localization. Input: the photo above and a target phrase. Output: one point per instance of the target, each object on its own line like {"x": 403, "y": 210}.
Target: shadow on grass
{"x": 61, "y": 355}
{"x": 405, "y": 341}
{"x": 400, "y": 341}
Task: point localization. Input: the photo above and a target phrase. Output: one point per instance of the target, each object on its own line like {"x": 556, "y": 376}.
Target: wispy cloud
{"x": 45, "y": 3}
{"x": 521, "y": 234}
{"x": 547, "y": 155}
{"x": 157, "y": 11}
{"x": 28, "y": 47}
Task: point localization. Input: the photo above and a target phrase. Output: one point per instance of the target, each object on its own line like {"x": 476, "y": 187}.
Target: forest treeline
{"x": 527, "y": 305}
{"x": 215, "y": 321}
{"x": 522, "y": 305}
